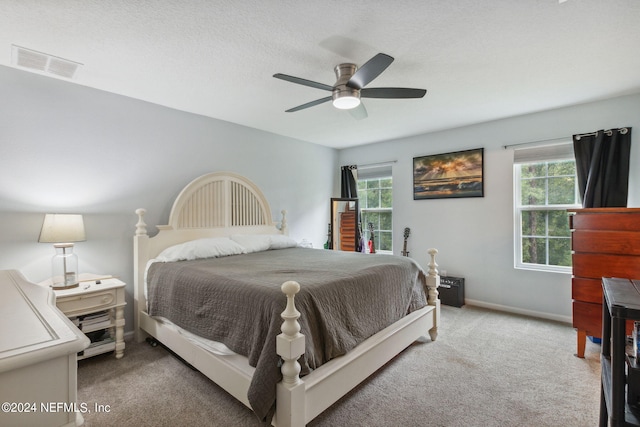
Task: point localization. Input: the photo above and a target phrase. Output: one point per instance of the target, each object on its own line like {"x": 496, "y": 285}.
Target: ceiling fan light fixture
{"x": 346, "y": 98}
{"x": 346, "y": 102}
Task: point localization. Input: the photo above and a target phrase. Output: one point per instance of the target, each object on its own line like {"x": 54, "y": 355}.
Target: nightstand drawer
{"x": 96, "y": 294}
{"x": 87, "y": 303}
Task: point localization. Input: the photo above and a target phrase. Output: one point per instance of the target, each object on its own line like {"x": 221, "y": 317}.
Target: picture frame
{"x": 449, "y": 175}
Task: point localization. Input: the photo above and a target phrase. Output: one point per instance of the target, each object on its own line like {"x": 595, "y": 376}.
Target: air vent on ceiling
{"x": 43, "y": 62}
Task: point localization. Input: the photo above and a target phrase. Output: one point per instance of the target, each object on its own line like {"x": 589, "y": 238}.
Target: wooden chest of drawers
{"x": 605, "y": 243}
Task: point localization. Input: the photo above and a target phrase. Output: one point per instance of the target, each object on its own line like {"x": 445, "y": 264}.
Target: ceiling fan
{"x": 350, "y": 86}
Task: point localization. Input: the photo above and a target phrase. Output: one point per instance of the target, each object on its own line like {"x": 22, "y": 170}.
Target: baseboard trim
{"x": 508, "y": 309}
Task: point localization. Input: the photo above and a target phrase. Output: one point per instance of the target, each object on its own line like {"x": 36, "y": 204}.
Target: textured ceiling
{"x": 479, "y": 60}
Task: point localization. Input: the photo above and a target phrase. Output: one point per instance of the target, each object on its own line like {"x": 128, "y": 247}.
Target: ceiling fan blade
{"x": 309, "y": 104}
{"x": 369, "y": 71}
{"x": 392, "y": 92}
{"x": 359, "y": 112}
{"x": 303, "y": 82}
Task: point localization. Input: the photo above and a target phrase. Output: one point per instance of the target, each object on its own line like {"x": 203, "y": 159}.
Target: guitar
{"x": 407, "y": 231}
{"x": 372, "y": 244}
{"x": 362, "y": 245}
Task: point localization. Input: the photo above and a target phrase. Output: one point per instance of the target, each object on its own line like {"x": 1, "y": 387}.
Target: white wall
{"x": 475, "y": 235}
{"x": 70, "y": 149}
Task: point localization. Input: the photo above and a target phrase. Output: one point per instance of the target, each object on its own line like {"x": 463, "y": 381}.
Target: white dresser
{"x": 38, "y": 362}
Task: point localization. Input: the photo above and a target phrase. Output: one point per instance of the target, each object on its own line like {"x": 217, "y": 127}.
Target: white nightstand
{"x": 96, "y": 305}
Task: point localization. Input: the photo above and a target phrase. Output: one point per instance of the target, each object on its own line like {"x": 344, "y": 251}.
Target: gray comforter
{"x": 344, "y": 299}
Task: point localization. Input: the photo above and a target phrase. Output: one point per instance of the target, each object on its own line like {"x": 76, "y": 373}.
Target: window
{"x": 545, "y": 189}
{"x": 375, "y": 199}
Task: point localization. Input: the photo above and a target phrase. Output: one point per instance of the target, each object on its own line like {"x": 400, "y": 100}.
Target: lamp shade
{"x": 62, "y": 228}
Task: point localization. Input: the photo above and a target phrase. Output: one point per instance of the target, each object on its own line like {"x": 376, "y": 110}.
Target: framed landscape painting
{"x": 449, "y": 175}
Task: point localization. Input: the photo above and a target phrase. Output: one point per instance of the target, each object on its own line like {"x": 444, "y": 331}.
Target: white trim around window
{"x": 557, "y": 153}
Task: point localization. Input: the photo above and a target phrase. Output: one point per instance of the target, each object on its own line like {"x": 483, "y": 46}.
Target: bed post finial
{"x": 433, "y": 265}
{"x": 283, "y": 224}
{"x": 433, "y": 281}
{"x": 433, "y": 278}
{"x": 290, "y": 343}
{"x": 290, "y": 392}
{"x": 141, "y": 227}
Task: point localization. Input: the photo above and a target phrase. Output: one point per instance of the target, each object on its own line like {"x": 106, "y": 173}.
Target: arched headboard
{"x": 220, "y": 199}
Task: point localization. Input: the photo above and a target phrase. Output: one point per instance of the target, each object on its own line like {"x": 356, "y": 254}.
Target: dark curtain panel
{"x": 348, "y": 182}
{"x": 602, "y": 166}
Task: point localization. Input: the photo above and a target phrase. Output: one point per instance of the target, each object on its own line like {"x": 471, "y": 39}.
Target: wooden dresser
{"x": 348, "y": 230}
{"x": 605, "y": 243}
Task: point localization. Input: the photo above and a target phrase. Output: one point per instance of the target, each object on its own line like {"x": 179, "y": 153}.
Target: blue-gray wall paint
{"x": 475, "y": 235}
{"x": 68, "y": 148}
{"x": 71, "y": 149}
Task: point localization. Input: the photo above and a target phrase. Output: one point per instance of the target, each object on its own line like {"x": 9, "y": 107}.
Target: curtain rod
{"x": 373, "y": 165}
{"x": 557, "y": 141}
{"x": 609, "y": 132}
{"x": 554, "y": 141}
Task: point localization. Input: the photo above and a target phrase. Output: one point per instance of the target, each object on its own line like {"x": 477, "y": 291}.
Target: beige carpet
{"x": 486, "y": 369}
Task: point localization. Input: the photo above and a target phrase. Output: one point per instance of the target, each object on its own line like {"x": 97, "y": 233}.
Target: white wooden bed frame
{"x": 222, "y": 204}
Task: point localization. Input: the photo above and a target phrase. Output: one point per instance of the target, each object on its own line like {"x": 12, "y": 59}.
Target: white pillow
{"x": 264, "y": 242}
{"x": 253, "y": 242}
{"x": 280, "y": 241}
{"x": 202, "y": 248}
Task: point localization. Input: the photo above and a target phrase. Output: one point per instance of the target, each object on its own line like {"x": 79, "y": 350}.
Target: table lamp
{"x": 62, "y": 230}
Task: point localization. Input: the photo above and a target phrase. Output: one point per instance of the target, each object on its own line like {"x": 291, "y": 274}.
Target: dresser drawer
{"x": 599, "y": 219}
{"x": 586, "y": 290}
{"x": 606, "y": 242}
{"x": 89, "y": 303}
{"x": 588, "y": 317}
{"x": 597, "y": 266}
